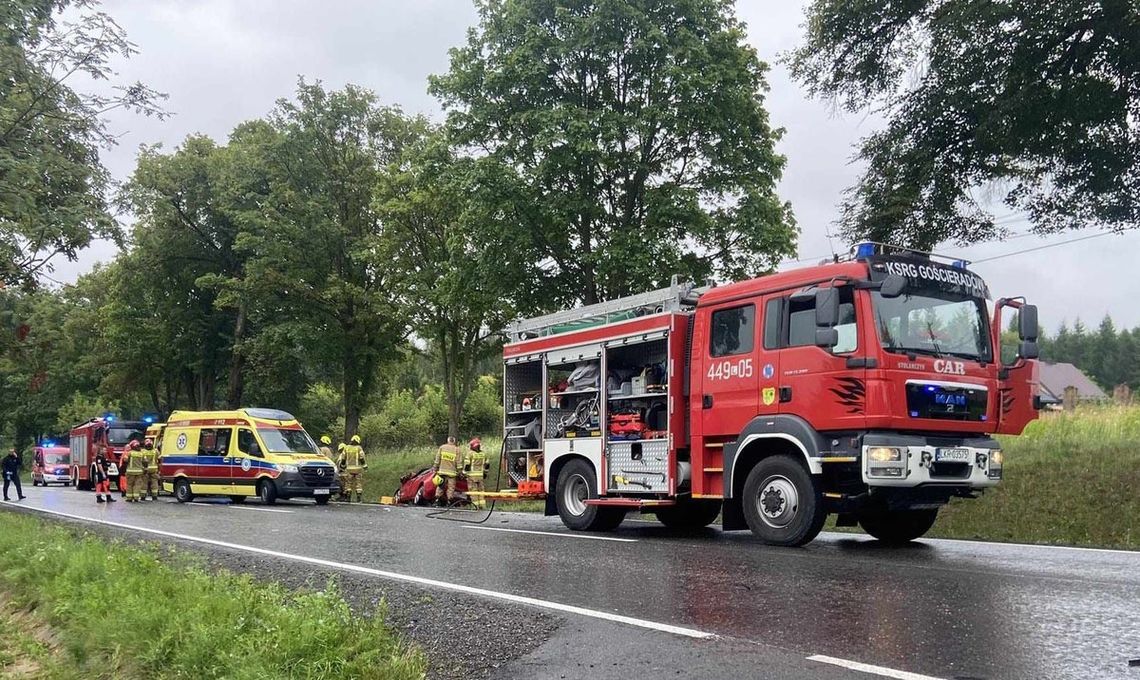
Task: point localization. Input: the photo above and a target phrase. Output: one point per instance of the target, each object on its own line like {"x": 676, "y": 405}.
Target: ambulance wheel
{"x": 782, "y": 502}
{"x": 899, "y": 526}
{"x": 576, "y": 484}
{"x": 182, "y": 492}
{"x": 689, "y": 515}
{"x": 321, "y": 500}
{"x": 267, "y": 492}
{"x": 237, "y": 500}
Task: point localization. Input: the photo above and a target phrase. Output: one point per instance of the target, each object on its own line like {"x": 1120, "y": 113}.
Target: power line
{"x": 1043, "y": 247}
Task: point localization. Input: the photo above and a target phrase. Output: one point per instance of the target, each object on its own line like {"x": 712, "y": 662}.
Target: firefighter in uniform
{"x": 342, "y": 478}
{"x": 101, "y": 477}
{"x": 446, "y": 468}
{"x": 150, "y": 475}
{"x": 475, "y": 467}
{"x": 326, "y": 448}
{"x": 135, "y": 463}
{"x": 353, "y": 463}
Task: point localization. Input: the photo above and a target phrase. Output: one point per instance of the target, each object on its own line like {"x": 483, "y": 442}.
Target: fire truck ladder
{"x": 677, "y": 297}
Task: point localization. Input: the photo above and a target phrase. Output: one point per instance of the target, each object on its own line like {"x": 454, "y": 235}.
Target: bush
{"x": 320, "y": 409}
{"x": 405, "y": 420}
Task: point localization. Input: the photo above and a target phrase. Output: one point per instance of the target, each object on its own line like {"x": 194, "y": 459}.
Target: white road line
{"x": 868, "y": 668}
{"x": 418, "y": 580}
{"x": 554, "y": 533}
{"x": 233, "y": 507}
{"x": 994, "y": 544}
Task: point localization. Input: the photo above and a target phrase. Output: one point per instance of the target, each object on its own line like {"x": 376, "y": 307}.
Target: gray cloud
{"x": 225, "y": 61}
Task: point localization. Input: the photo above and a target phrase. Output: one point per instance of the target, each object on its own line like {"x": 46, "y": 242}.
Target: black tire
{"x": 182, "y": 492}
{"x": 237, "y": 500}
{"x": 418, "y": 499}
{"x": 575, "y": 484}
{"x": 689, "y": 515}
{"x": 898, "y": 526}
{"x": 267, "y": 492}
{"x": 34, "y": 482}
{"x": 782, "y": 502}
{"x": 321, "y": 500}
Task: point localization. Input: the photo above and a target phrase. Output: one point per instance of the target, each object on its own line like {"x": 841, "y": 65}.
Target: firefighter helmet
{"x": 134, "y": 445}
{"x": 474, "y": 443}
{"x": 326, "y": 440}
{"x": 355, "y": 439}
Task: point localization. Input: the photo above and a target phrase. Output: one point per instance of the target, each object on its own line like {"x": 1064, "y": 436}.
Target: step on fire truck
{"x": 869, "y": 387}
{"x": 107, "y": 432}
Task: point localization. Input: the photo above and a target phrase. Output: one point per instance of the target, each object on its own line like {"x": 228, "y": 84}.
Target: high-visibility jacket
{"x": 352, "y": 458}
{"x": 139, "y": 460}
{"x": 327, "y": 453}
{"x": 447, "y": 460}
{"x": 475, "y": 464}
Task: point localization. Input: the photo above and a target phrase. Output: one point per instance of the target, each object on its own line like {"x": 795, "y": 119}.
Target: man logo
{"x": 951, "y": 367}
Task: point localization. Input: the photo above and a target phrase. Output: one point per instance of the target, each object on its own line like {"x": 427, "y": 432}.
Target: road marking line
{"x": 992, "y": 544}
{"x": 868, "y": 668}
{"x": 418, "y": 580}
{"x": 233, "y": 507}
{"x": 554, "y": 533}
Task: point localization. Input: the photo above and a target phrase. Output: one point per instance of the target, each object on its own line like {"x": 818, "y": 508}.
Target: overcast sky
{"x": 225, "y": 61}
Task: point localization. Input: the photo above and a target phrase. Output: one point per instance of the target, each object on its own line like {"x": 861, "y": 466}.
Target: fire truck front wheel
{"x": 899, "y": 526}
{"x": 576, "y": 484}
{"x": 782, "y": 502}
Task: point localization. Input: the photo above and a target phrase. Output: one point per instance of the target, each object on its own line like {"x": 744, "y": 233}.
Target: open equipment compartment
{"x": 638, "y": 457}
{"x": 523, "y": 394}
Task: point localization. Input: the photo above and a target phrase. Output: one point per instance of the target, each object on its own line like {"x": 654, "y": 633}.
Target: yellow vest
{"x": 352, "y": 457}
{"x": 139, "y": 461}
{"x": 327, "y": 453}
{"x": 447, "y": 460}
{"x": 475, "y": 462}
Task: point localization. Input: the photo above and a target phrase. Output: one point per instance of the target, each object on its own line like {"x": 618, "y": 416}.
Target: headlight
{"x": 884, "y": 454}
{"x": 287, "y": 468}
{"x": 995, "y": 458}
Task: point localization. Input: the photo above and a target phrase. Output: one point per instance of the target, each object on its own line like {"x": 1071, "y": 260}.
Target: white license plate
{"x": 952, "y": 455}
{"x": 112, "y": 469}
{"x": 320, "y": 492}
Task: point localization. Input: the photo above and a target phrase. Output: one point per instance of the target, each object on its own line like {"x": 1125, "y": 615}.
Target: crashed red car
{"x": 418, "y": 488}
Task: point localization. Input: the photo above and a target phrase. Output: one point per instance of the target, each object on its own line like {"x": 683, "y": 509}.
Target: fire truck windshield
{"x": 57, "y": 459}
{"x": 286, "y": 441}
{"x": 119, "y": 436}
{"x": 934, "y": 323}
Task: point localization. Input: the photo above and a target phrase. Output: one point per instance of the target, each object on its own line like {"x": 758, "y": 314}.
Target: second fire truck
{"x": 869, "y": 388}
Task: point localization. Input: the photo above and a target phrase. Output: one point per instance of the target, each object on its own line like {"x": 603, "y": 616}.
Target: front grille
{"x": 950, "y": 470}
{"x": 318, "y": 475}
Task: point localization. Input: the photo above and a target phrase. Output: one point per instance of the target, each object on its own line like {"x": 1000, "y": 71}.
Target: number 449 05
{"x": 726, "y": 370}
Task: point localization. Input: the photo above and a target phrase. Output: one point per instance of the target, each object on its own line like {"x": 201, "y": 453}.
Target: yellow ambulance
{"x": 249, "y": 452}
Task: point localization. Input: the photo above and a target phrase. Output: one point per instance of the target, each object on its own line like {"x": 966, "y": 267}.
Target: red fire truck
{"x": 102, "y": 432}
{"x": 869, "y": 387}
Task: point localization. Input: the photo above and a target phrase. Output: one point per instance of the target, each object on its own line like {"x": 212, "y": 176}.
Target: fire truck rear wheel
{"x": 782, "y": 502}
{"x": 575, "y": 485}
{"x": 182, "y": 492}
{"x": 898, "y": 526}
{"x": 689, "y": 515}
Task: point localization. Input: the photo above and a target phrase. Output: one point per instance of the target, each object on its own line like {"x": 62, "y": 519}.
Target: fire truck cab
{"x": 108, "y": 433}
{"x": 869, "y": 387}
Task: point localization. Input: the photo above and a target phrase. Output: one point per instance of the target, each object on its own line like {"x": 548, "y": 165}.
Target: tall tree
{"x": 316, "y": 247}
{"x": 1038, "y": 101}
{"x": 632, "y": 135}
{"x": 458, "y": 264}
{"x": 52, "y": 184}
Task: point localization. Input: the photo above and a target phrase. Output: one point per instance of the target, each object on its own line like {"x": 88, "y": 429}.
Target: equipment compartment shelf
{"x": 524, "y": 412}
{"x": 592, "y": 390}
{"x": 647, "y": 395}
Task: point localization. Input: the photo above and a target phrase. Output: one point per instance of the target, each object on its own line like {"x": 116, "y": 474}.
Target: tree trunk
{"x": 351, "y": 393}
{"x": 237, "y": 360}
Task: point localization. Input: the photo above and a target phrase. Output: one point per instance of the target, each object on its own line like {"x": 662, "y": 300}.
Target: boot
{"x": 99, "y": 498}
{"x": 110, "y": 499}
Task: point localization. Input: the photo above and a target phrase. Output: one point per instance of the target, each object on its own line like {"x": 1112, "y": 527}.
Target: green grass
{"x": 119, "y": 611}
{"x": 1070, "y": 478}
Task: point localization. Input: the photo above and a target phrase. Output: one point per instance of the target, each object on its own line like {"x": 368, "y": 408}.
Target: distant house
{"x": 1056, "y": 377}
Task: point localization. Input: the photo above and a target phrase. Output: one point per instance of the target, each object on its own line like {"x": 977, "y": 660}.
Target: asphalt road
{"x": 711, "y": 604}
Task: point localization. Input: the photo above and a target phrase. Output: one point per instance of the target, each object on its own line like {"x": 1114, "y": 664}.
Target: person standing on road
{"x": 11, "y": 468}
{"x": 150, "y": 472}
{"x": 136, "y": 466}
{"x": 326, "y": 448}
{"x": 353, "y": 462}
{"x": 446, "y": 467}
{"x": 475, "y": 466}
{"x": 101, "y": 477}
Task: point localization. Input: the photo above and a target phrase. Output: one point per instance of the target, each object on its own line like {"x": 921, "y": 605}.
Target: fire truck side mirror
{"x": 1027, "y": 324}
{"x": 892, "y": 286}
{"x": 827, "y": 307}
{"x": 1028, "y": 350}
{"x": 826, "y": 337}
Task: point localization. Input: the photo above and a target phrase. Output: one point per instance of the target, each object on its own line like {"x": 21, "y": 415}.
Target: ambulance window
{"x": 733, "y": 331}
{"x": 247, "y": 442}
{"x": 214, "y": 442}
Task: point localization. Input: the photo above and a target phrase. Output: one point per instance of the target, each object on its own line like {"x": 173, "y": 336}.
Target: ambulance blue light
{"x": 958, "y": 264}
{"x": 148, "y": 419}
{"x": 110, "y": 417}
{"x": 864, "y": 250}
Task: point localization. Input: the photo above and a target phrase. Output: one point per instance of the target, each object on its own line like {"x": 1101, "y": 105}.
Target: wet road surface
{"x": 713, "y": 604}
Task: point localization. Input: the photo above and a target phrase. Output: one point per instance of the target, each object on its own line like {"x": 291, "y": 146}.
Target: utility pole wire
{"x": 1043, "y": 247}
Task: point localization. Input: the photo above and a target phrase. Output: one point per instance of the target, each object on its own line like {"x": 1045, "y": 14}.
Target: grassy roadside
{"x": 82, "y": 607}
{"x": 1070, "y": 479}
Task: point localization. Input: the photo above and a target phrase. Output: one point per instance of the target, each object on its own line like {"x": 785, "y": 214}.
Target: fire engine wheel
{"x": 898, "y": 526}
{"x": 576, "y": 484}
{"x": 267, "y": 492}
{"x": 182, "y": 492}
{"x": 782, "y": 502}
{"x": 689, "y": 515}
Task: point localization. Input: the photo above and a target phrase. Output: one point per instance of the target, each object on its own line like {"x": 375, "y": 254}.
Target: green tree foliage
{"x": 632, "y": 139}
{"x": 1038, "y": 101}
{"x": 52, "y": 184}
{"x": 1110, "y": 357}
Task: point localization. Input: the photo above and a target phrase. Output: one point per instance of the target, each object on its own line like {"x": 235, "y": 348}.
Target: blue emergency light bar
{"x": 864, "y": 250}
